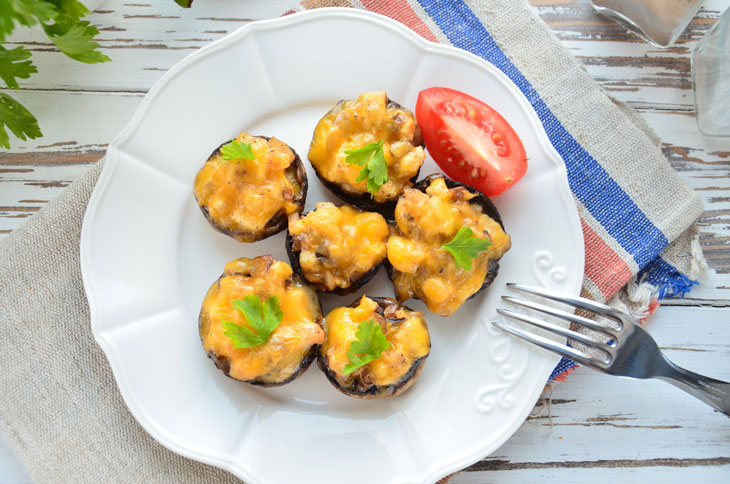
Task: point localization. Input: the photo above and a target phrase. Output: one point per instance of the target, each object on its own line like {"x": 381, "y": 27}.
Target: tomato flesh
{"x": 471, "y": 142}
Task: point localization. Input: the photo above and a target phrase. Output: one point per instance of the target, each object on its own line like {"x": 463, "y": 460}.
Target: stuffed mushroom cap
{"x": 250, "y": 199}
{"x": 337, "y": 248}
{"x": 293, "y": 344}
{"x": 355, "y": 124}
{"x": 428, "y": 217}
{"x": 397, "y": 367}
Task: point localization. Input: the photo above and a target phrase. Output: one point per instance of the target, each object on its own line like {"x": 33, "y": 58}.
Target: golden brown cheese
{"x": 241, "y": 195}
{"x": 405, "y": 330}
{"x": 338, "y": 245}
{"x": 289, "y": 344}
{"x": 425, "y": 222}
{"x": 357, "y": 123}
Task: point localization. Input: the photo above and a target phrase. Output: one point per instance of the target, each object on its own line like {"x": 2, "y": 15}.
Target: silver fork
{"x": 625, "y": 350}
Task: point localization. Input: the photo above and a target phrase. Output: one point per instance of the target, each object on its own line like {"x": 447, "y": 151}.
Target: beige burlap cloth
{"x": 60, "y": 409}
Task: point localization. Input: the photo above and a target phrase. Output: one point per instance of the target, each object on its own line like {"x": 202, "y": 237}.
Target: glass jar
{"x": 659, "y": 21}
{"x": 711, "y": 73}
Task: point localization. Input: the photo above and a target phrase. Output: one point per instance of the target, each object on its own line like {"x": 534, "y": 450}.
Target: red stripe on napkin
{"x": 401, "y": 11}
{"x": 603, "y": 266}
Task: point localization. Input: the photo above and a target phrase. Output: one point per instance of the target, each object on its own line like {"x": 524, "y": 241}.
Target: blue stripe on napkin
{"x": 563, "y": 365}
{"x": 670, "y": 281}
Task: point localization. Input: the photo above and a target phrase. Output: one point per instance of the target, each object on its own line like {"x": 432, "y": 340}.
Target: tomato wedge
{"x": 470, "y": 141}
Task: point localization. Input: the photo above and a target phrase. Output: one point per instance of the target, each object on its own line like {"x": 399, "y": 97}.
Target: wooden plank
{"x": 25, "y": 189}
{"x": 77, "y": 126}
{"x": 143, "y": 41}
{"x": 597, "y": 475}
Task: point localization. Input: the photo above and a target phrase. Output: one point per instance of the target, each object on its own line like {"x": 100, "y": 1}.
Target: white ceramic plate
{"x": 148, "y": 257}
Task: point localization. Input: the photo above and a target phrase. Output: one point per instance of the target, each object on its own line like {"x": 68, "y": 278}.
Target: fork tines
{"x": 609, "y": 333}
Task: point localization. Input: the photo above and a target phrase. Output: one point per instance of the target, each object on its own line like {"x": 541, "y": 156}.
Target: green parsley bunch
{"x": 62, "y": 22}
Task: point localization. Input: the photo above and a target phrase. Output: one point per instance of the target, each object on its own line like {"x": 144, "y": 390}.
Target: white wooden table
{"x": 597, "y": 428}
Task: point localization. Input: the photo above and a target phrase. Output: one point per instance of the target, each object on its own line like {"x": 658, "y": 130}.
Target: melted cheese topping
{"x": 243, "y": 195}
{"x": 338, "y": 244}
{"x": 408, "y": 337}
{"x": 291, "y": 341}
{"x": 425, "y": 222}
{"x": 354, "y": 124}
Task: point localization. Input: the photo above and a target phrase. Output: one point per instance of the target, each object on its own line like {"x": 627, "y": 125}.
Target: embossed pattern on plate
{"x": 547, "y": 271}
{"x": 503, "y": 352}
{"x": 158, "y": 256}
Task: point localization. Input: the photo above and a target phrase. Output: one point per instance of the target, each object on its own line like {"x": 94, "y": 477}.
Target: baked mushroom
{"x": 336, "y": 248}
{"x": 249, "y": 186}
{"x": 437, "y": 221}
{"x": 254, "y": 297}
{"x": 374, "y": 128}
{"x": 403, "y": 331}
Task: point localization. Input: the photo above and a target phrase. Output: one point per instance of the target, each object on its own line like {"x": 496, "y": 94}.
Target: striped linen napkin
{"x": 60, "y": 410}
{"x": 640, "y": 244}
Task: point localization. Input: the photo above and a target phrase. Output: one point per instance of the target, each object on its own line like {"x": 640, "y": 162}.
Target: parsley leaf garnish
{"x": 235, "y": 150}
{"x": 15, "y": 117}
{"x": 372, "y": 158}
{"x": 369, "y": 345}
{"x": 263, "y": 318}
{"x": 465, "y": 247}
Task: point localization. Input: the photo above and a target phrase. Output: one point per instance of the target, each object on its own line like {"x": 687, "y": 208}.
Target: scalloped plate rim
{"x": 106, "y": 178}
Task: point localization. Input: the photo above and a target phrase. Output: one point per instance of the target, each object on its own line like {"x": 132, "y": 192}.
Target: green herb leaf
{"x": 75, "y": 38}
{"x": 13, "y": 64}
{"x": 184, "y": 3}
{"x": 14, "y": 116}
{"x": 71, "y": 8}
{"x": 263, "y": 319}
{"x": 465, "y": 246}
{"x": 369, "y": 345}
{"x": 235, "y": 150}
{"x": 67, "y": 31}
{"x": 24, "y": 12}
{"x": 376, "y": 168}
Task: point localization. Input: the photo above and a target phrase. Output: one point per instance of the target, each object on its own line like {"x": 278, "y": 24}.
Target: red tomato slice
{"x": 470, "y": 141}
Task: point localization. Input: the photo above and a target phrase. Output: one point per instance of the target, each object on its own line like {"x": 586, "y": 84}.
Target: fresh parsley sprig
{"x": 61, "y": 21}
{"x": 368, "y": 346}
{"x": 262, "y": 317}
{"x": 465, "y": 246}
{"x": 375, "y": 168}
{"x": 17, "y": 119}
{"x": 235, "y": 150}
